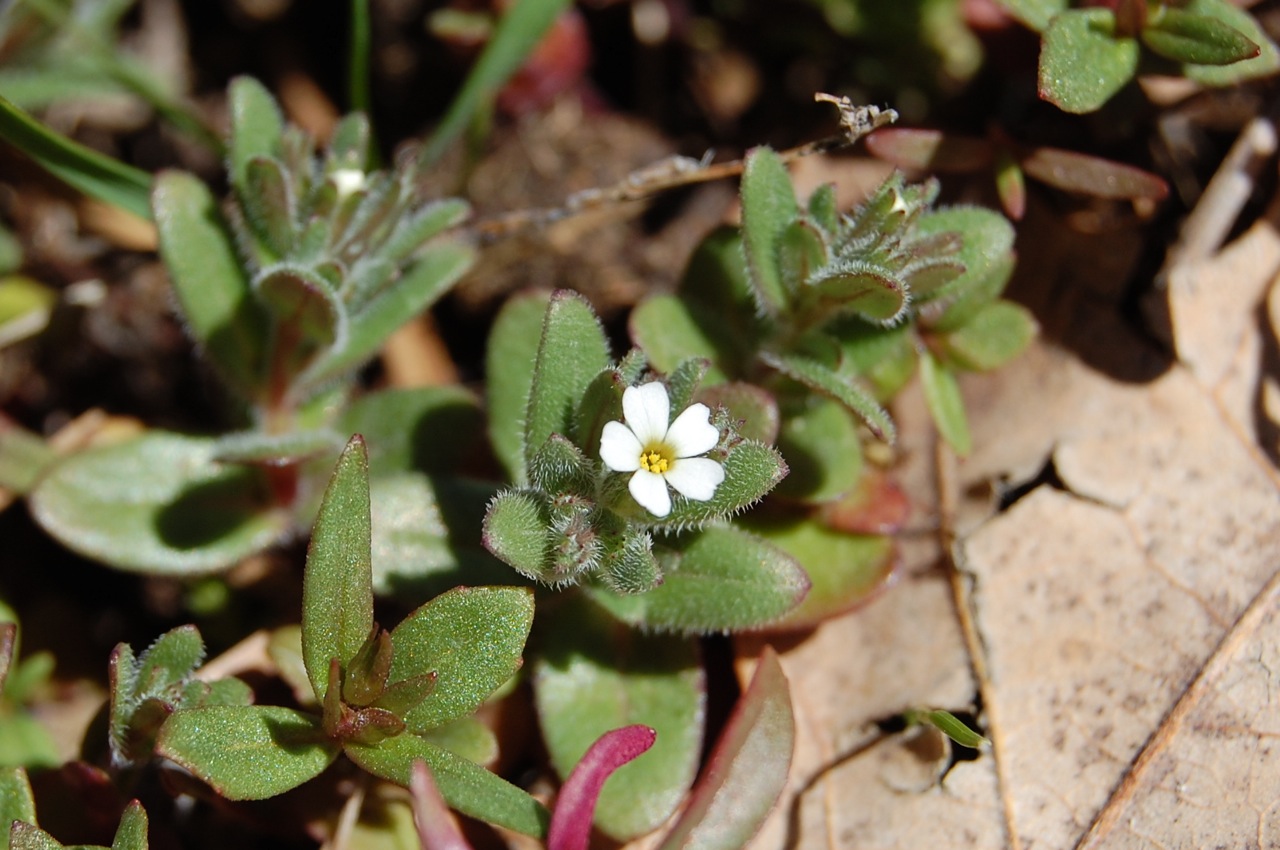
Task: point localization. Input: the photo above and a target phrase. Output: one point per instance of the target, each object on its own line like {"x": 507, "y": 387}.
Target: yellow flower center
{"x": 655, "y": 459}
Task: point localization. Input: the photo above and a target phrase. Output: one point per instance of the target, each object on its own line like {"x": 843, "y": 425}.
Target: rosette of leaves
{"x": 1088, "y": 54}
{"x": 386, "y": 699}
{"x": 569, "y": 523}
{"x": 810, "y": 320}
{"x": 287, "y": 288}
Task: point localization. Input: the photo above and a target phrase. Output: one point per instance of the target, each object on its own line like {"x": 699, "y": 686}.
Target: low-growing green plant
{"x": 23, "y": 741}
{"x": 21, "y": 832}
{"x": 1089, "y": 51}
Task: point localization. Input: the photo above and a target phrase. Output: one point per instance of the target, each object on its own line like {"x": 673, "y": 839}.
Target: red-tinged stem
{"x": 571, "y": 821}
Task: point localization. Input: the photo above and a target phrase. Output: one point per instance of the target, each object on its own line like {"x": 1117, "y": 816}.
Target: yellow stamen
{"x": 654, "y": 461}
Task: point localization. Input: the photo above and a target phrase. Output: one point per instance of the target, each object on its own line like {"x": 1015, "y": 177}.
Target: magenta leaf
{"x": 746, "y": 772}
{"x": 437, "y": 828}
{"x": 571, "y": 822}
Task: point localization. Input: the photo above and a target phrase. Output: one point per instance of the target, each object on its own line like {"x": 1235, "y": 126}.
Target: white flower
{"x": 348, "y": 180}
{"x": 660, "y": 455}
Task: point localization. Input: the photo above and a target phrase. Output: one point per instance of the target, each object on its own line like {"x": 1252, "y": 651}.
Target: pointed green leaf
{"x": 823, "y": 207}
{"x": 748, "y": 770}
{"x": 256, "y": 126}
{"x": 437, "y": 269}
{"x": 509, "y": 364}
{"x": 670, "y": 330}
{"x": 16, "y": 800}
{"x": 248, "y": 752}
{"x": 132, "y": 832}
{"x": 596, "y": 674}
{"x": 820, "y": 443}
{"x": 337, "y": 586}
{"x": 473, "y": 638}
{"x": 158, "y": 504}
{"x": 24, "y": 457}
{"x": 844, "y": 570}
{"x": 427, "y": 429}
{"x": 1196, "y": 39}
{"x": 268, "y": 206}
{"x": 768, "y": 209}
{"x": 169, "y": 661}
{"x": 26, "y": 836}
{"x": 1082, "y": 62}
{"x": 1265, "y": 63}
{"x": 718, "y": 580}
{"x": 802, "y": 250}
{"x": 946, "y": 405}
{"x": 750, "y": 471}
{"x": 413, "y": 231}
{"x": 856, "y": 287}
{"x": 949, "y": 725}
{"x": 259, "y": 448}
{"x": 85, "y": 170}
{"x": 601, "y": 404}
{"x": 349, "y": 144}
{"x": 998, "y": 332}
{"x": 1034, "y": 13}
{"x": 818, "y": 377}
{"x": 465, "y": 785}
{"x": 572, "y": 351}
{"x": 209, "y": 279}
{"x": 309, "y": 318}
{"x": 466, "y": 737}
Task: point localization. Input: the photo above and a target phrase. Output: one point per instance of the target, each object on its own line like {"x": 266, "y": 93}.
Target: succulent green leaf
{"x": 132, "y": 832}
{"x": 572, "y": 351}
{"x": 16, "y": 800}
{"x": 466, "y": 737}
{"x": 24, "y": 457}
{"x": 209, "y": 279}
{"x": 843, "y": 569}
{"x": 949, "y": 725}
{"x": 1196, "y": 39}
{"x": 83, "y": 169}
{"x": 1266, "y": 62}
{"x": 596, "y": 674}
{"x": 427, "y": 429}
{"x": 27, "y": 836}
{"x": 1035, "y": 13}
{"x": 247, "y": 752}
{"x": 337, "y": 586}
{"x": 516, "y": 529}
{"x": 768, "y": 209}
{"x": 465, "y": 785}
{"x": 670, "y": 330}
{"x": 509, "y": 363}
{"x": 158, "y": 504}
{"x": 750, "y": 471}
{"x": 437, "y": 269}
{"x": 820, "y": 443}
{"x": 1082, "y": 62}
{"x": 747, "y": 772}
{"x": 817, "y": 376}
{"x": 946, "y": 405}
{"x": 721, "y": 579}
{"x": 1011, "y": 184}
{"x": 473, "y": 638}
{"x": 1092, "y": 175}
{"x": 997, "y": 332}
{"x": 257, "y": 126}
{"x": 986, "y": 253}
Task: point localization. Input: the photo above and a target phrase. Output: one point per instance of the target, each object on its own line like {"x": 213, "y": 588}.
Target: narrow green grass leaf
{"x": 85, "y": 170}
{"x": 513, "y": 39}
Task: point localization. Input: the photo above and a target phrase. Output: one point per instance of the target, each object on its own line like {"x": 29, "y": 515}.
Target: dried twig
{"x": 677, "y": 171}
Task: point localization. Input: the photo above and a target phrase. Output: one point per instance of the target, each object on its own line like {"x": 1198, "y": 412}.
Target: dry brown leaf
{"x": 1119, "y": 620}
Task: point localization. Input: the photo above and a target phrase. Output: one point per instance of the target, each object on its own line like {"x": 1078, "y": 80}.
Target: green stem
{"x": 359, "y": 91}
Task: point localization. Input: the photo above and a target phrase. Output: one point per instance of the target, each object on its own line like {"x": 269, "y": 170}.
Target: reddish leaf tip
{"x": 571, "y": 822}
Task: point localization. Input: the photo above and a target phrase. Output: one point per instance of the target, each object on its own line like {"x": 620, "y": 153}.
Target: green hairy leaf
{"x": 750, "y": 471}
{"x": 158, "y": 504}
{"x": 257, "y": 126}
{"x": 942, "y": 394}
{"x": 509, "y": 366}
{"x": 823, "y": 450}
{"x": 1082, "y": 63}
{"x": 816, "y": 376}
{"x": 516, "y": 530}
{"x": 997, "y": 332}
{"x": 768, "y": 209}
{"x": 424, "y": 429}
{"x": 337, "y": 588}
{"x": 671, "y": 330}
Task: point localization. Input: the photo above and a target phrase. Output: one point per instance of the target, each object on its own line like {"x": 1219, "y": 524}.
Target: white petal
{"x": 650, "y": 491}
{"x": 646, "y": 409}
{"x": 695, "y": 477}
{"x": 692, "y": 433}
{"x": 619, "y": 448}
